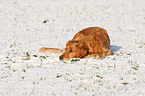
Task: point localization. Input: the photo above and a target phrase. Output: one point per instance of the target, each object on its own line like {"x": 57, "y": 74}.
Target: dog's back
{"x": 86, "y": 33}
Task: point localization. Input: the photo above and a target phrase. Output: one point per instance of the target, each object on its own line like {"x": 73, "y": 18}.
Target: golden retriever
{"x": 92, "y": 41}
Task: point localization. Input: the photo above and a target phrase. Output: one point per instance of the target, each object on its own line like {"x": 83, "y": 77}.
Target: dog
{"x": 89, "y": 42}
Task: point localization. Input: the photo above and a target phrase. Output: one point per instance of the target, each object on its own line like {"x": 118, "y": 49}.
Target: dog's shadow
{"x": 114, "y": 48}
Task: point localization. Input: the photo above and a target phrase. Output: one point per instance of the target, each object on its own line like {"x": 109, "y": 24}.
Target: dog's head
{"x": 74, "y": 49}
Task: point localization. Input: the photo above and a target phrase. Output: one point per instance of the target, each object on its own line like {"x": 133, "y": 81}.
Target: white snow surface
{"x": 26, "y": 72}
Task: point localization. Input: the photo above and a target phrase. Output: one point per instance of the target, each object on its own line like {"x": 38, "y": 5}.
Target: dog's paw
{"x": 100, "y": 58}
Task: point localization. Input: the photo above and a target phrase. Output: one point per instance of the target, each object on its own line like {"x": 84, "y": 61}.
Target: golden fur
{"x": 86, "y": 43}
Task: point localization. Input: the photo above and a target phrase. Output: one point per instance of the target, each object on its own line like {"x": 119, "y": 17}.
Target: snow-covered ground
{"x": 27, "y": 25}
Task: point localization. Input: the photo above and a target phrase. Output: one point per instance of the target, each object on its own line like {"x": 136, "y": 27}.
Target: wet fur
{"x": 86, "y": 43}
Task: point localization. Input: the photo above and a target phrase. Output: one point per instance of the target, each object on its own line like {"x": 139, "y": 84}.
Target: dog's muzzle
{"x": 60, "y": 57}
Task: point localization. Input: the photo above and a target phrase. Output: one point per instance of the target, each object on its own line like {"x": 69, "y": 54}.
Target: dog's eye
{"x": 70, "y": 51}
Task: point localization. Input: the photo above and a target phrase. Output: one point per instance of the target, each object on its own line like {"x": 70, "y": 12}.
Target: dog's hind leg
{"x": 106, "y": 52}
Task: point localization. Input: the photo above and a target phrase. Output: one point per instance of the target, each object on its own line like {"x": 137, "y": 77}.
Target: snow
{"x": 26, "y": 72}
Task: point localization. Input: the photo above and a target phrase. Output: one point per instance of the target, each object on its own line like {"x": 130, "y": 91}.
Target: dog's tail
{"x": 50, "y": 50}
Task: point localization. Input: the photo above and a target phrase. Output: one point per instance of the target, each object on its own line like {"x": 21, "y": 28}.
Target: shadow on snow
{"x": 114, "y": 48}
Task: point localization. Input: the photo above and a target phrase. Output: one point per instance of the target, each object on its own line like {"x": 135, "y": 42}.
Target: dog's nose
{"x": 61, "y": 58}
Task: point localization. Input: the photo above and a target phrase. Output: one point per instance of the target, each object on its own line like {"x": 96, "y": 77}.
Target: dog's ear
{"x": 82, "y": 45}
{"x": 83, "y": 49}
